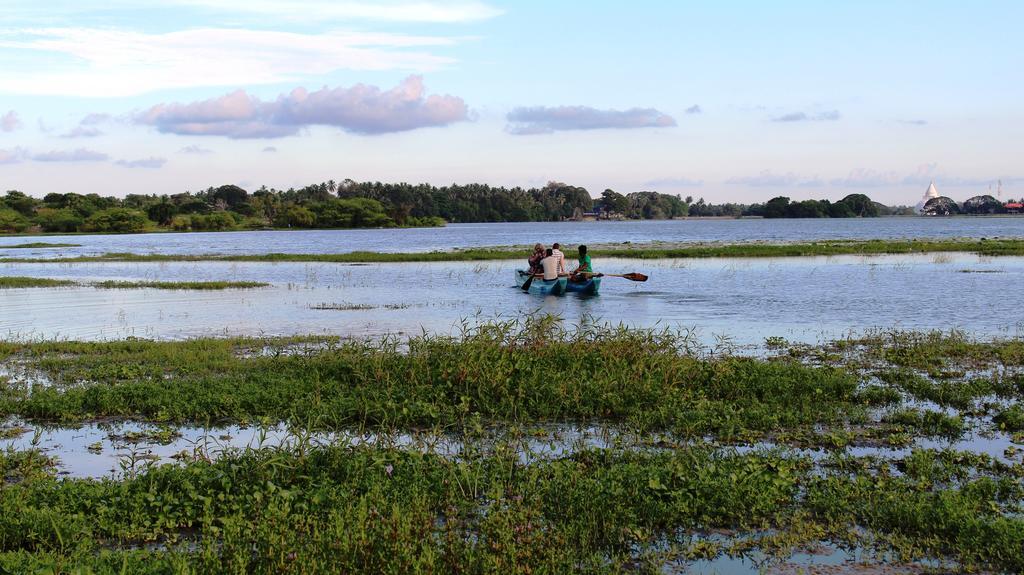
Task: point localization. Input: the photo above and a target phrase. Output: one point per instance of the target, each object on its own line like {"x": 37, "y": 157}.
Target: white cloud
{"x": 768, "y": 178}
{"x": 863, "y": 178}
{"x": 79, "y": 155}
{"x": 152, "y": 163}
{"x": 679, "y": 182}
{"x": 109, "y": 63}
{"x": 827, "y": 116}
{"x": 325, "y": 11}
{"x": 9, "y": 122}
{"x": 82, "y": 132}
{"x": 94, "y": 119}
{"x": 360, "y": 109}
{"x": 12, "y": 156}
{"x": 195, "y": 149}
{"x": 545, "y": 120}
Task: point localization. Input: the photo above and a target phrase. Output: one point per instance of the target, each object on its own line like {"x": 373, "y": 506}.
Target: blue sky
{"x": 730, "y": 101}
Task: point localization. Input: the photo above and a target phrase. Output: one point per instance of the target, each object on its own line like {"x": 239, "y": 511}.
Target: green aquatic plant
{"x": 498, "y": 371}
{"x": 34, "y": 245}
{"x": 383, "y": 509}
{"x": 1001, "y": 247}
{"x": 14, "y": 282}
{"x": 1010, "y": 419}
{"x": 177, "y": 285}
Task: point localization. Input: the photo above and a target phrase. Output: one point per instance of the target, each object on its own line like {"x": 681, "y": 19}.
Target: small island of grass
{"x": 31, "y": 245}
{"x": 14, "y": 282}
{"x": 651, "y": 251}
{"x": 212, "y": 285}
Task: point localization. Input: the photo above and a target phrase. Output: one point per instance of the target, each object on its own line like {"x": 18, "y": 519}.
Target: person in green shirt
{"x": 582, "y": 271}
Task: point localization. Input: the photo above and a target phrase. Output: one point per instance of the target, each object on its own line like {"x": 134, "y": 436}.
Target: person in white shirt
{"x": 558, "y": 255}
{"x": 550, "y": 265}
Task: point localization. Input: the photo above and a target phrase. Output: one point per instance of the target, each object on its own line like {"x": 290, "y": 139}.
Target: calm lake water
{"x": 476, "y": 235}
{"x": 739, "y": 299}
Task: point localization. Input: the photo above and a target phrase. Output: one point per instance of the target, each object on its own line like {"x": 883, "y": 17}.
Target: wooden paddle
{"x": 633, "y": 277}
{"x": 529, "y": 280}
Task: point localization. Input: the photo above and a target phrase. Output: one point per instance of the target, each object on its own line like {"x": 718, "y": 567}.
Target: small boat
{"x": 589, "y": 286}
{"x": 541, "y": 286}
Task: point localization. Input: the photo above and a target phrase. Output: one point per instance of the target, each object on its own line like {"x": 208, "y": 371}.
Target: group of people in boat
{"x": 550, "y": 263}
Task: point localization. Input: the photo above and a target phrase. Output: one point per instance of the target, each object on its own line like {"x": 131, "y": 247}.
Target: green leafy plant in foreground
{"x": 372, "y": 509}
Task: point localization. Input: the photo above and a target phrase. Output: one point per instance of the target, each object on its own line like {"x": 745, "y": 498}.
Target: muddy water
{"x": 725, "y": 301}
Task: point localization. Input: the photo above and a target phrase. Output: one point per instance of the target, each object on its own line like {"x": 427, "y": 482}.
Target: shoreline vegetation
{"x": 709, "y": 455}
{"x": 15, "y": 282}
{"x": 349, "y": 204}
{"x": 983, "y": 247}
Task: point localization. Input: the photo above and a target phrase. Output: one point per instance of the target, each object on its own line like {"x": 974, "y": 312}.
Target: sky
{"x": 730, "y": 101}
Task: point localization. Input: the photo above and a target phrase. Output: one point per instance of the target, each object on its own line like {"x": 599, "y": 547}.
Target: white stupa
{"x": 931, "y": 193}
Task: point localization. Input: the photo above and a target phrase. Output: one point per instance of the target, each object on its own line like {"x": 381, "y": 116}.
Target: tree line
{"x": 350, "y": 204}
{"x": 346, "y": 204}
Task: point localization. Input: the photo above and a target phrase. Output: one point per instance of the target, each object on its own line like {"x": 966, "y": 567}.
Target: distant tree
{"x": 19, "y": 202}
{"x": 231, "y": 195}
{"x": 807, "y": 209}
{"x": 298, "y": 217}
{"x": 117, "y": 220}
{"x": 216, "y": 221}
{"x": 12, "y": 222}
{"x": 615, "y": 202}
{"x": 777, "y": 207}
{"x": 840, "y": 210}
{"x": 59, "y": 220}
{"x": 860, "y": 205}
{"x": 162, "y": 212}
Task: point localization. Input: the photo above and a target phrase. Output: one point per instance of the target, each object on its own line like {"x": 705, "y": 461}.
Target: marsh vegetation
{"x": 983, "y": 247}
{"x": 12, "y": 282}
{"x": 877, "y": 444}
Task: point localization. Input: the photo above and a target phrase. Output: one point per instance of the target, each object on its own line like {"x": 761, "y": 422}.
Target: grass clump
{"x": 378, "y": 509}
{"x": 15, "y": 282}
{"x": 499, "y": 372}
{"x": 1010, "y": 419}
{"x": 30, "y": 245}
{"x": 210, "y": 285}
{"x": 927, "y": 422}
{"x": 745, "y": 250}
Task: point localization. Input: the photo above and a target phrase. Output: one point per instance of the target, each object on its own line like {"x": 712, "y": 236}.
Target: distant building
{"x": 930, "y": 194}
{"x": 1014, "y": 207}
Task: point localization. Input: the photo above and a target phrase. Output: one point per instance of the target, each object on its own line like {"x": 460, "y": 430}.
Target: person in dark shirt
{"x": 538, "y": 254}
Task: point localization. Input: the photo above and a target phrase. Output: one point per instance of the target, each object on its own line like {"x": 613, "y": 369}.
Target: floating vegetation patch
{"x": 345, "y": 306}
{"x": 33, "y": 245}
{"x": 182, "y": 285}
{"x": 12, "y": 282}
{"x": 1000, "y": 247}
{"x": 342, "y": 306}
{"x": 15, "y": 282}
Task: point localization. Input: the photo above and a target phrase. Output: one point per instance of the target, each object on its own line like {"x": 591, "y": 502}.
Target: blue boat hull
{"x": 589, "y": 287}
{"x": 541, "y": 286}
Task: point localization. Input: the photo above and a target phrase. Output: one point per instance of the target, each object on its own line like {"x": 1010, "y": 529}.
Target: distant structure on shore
{"x": 931, "y": 194}
{"x": 932, "y": 204}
